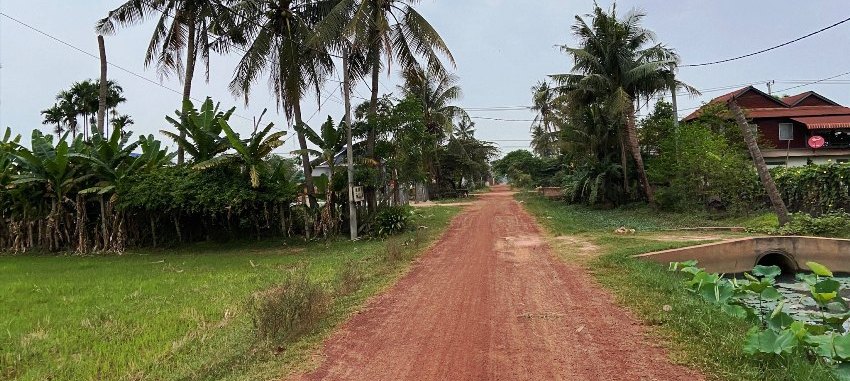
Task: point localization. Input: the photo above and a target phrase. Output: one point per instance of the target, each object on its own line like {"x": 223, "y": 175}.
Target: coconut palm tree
{"x": 277, "y": 33}
{"x": 85, "y": 100}
{"x": 121, "y": 122}
{"x": 65, "y": 100}
{"x": 543, "y": 142}
{"x": 54, "y": 116}
{"x": 386, "y": 31}
{"x": 465, "y": 129}
{"x": 543, "y": 99}
{"x": 184, "y": 27}
{"x": 435, "y": 94}
{"x": 617, "y": 62}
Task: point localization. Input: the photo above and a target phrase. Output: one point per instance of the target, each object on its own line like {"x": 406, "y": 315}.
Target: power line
{"x": 128, "y": 71}
{"x": 770, "y": 48}
{"x": 814, "y": 82}
{"x": 502, "y": 120}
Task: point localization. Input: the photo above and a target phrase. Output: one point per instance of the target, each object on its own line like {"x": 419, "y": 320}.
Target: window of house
{"x": 786, "y": 131}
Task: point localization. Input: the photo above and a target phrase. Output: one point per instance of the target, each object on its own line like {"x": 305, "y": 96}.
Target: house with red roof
{"x": 800, "y": 129}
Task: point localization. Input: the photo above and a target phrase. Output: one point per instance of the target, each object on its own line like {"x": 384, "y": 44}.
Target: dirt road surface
{"x": 490, "y": 302}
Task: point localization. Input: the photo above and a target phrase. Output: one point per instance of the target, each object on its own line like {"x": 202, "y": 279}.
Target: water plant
{"x": 779, "y": 330}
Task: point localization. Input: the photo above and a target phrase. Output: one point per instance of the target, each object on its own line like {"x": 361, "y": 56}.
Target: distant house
{"x": 340, "y": 165}
{"x": 788, "y": 124}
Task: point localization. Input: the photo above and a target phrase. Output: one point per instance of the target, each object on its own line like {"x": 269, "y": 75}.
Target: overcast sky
{"x": 502, "y": 48}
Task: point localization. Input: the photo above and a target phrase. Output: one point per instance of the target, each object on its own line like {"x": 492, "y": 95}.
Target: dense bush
{"x": 815, "y": 189}
{"x": 698, "y": 167}
{"x": 183, "y": 204}
{"x": 392, "y": 220}
{"x": 826, "y": 225}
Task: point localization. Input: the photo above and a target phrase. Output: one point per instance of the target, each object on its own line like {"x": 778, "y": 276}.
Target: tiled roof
{"x": 790, "y": 108}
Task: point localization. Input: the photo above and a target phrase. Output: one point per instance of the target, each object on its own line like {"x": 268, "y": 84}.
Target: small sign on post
{"x": 358, "y": 194}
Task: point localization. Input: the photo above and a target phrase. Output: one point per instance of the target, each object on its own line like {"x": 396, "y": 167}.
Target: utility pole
{"x": 770, "y": 87}
{"x": 346, "y": 90}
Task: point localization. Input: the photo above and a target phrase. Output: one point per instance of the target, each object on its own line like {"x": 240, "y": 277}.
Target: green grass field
{"x": 698, "y": 334}
{"x": 173, "y": 315}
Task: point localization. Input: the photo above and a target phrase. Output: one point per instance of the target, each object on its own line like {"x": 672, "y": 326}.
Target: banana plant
{"x": 250, "y": 153}
{"x": 111, "y": 161}
{"x": 50, "y": 171}
{"x": 330, "y": 139}
{"x": 202, "y": 130}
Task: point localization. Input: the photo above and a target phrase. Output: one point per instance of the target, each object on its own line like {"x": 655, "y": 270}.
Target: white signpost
{"x": 358, "y": 194}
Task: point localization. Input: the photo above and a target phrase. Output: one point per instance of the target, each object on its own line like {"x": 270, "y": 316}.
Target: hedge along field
{"x": 183, "y": 314}
{"x": 815, "y": 189}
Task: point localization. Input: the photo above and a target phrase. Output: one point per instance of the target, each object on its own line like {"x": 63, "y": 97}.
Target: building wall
{"x": 755, "y": 100}
{"x": 769, "y": 128}
{"x": 814, "y": 101}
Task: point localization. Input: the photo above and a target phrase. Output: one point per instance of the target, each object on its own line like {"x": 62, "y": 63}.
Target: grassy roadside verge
{"x": 181, "y": 314}
{"x": 696, "y": 333}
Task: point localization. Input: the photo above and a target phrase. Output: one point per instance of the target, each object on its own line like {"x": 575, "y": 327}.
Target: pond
{"x": 798, "y": 300}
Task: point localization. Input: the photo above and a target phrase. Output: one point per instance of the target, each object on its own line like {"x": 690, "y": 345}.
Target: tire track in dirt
{"x": 490, "y": 302}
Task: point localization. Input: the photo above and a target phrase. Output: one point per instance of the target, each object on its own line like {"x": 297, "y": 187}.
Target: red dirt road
{"x": 490, "y": 302}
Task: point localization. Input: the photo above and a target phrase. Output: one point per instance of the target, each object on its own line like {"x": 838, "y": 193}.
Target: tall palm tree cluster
{"x": 80, "y": 102}
{"x": 587, "y": 116}
{"x": 90, "y": 190}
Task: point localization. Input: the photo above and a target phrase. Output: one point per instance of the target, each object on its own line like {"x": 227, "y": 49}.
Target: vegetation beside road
{"x": 697, "y": 334}
{"x": 185, "y": 313}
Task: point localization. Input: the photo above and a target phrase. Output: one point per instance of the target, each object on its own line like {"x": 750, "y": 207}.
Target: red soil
{"x": 490, "y": 302}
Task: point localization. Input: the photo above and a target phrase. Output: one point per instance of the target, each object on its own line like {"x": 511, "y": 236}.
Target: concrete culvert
{"x": 781, "y": 260}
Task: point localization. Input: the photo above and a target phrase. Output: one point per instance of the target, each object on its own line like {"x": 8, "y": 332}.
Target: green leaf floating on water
{"x": 770, "y": 341}
{"x": 770, "y": 293}
{"x": 842, "y": 346}
{"x": 767, "y": 271}
{"x": 819, "y": 269}
{"x": 779, "y": 321}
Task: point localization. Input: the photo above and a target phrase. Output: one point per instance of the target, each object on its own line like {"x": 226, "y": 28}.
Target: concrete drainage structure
{"x": 741, "y": 255}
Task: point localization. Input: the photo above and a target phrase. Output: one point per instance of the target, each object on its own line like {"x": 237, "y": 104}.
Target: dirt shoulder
{"x": 490, "y": 302}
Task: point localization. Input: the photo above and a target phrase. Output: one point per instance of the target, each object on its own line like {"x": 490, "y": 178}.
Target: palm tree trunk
{"x": 761, "y": 167}
{"x": 625, "y": 163}
{"x": 305, "y": 158}
{"x": 191, "y": 57}
{"x": 371, "y": 135}
{"x": 308, "y": 172}
{"x": 101, "y": 97}
{"x": 634, "y": 146}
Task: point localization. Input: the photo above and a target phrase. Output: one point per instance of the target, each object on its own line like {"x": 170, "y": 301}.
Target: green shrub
{"x": 815, "y": 189}
{"x": 392, "y": 220}
{"x": 830, "y": 225}
{"x": 293, "y": 308}
{"x": 699, "y": 168}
